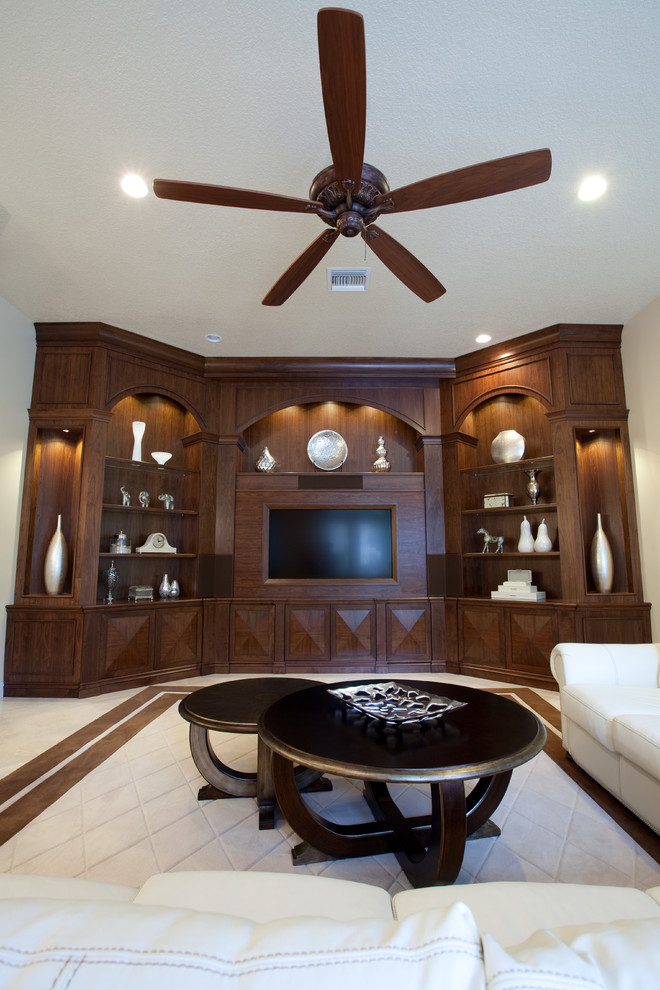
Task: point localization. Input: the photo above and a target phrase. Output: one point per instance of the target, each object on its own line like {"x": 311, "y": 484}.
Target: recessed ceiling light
{"x": 483, "y": 338}
{"x": 592, "y": 188}
{"x": 133, "y": 185}
{"x": 213, "y": 338}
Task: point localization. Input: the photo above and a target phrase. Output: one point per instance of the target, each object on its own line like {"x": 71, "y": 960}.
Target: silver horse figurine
{"x": 488, "y": 539}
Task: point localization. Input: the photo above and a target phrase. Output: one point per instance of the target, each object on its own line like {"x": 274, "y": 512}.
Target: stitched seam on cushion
{"x": 420, "y": 952}
{"x": 85, "y": 962}
{"x": 578, "y": 981}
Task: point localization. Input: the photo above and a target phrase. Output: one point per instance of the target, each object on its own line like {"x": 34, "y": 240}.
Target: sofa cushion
{"x": 511, "y": 911}
{"x": 637, "y": 738}
{"x": 265, "y": 897}
{"x": 102, "y": 946}
{"x": 606, "y": 663}
{"x": 654, "y": 892}
{"x": 594, "y": 706}
{"x": 624, "y": 955}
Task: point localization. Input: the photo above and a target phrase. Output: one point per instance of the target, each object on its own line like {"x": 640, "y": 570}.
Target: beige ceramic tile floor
{"x": 137, "y": 813}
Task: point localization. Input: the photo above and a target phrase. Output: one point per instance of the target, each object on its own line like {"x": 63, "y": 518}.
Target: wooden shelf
{"x": 508, "y": 467}
{"x": 127, "y": 465}
{"x": 150, "y": 556}
{"x": 115, "y": 507}
{"x": 504, "y": 509}
{"x": 514, "y": 553}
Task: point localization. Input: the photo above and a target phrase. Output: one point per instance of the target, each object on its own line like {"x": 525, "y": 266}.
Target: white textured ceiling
{"x": 228, "y": 92}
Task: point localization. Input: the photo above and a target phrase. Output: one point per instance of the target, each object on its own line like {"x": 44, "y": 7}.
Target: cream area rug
{"x": 117, "y": 800}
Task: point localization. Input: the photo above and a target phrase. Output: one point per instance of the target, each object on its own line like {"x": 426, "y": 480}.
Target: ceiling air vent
{"x": 348, "y": 279}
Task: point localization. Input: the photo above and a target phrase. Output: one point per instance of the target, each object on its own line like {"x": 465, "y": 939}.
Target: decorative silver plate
{"x": 327, "y": 450}
{"x": 399, "y": 704}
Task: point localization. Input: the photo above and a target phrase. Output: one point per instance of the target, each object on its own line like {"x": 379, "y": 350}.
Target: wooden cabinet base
{"x": 78, "y": 652}
{"x": 512, "y": 641}
{"x": 83, "y": 651}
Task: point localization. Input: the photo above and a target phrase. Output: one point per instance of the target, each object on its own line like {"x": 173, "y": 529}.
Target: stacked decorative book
{"x": 519, "y": 586}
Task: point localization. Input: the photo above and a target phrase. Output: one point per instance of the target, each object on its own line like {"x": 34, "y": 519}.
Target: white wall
{"x": 18, "y": 348}
{"x": 641, "y": 371}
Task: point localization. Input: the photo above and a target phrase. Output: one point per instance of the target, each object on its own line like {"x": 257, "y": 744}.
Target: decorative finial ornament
{"x": 381, "y": 463}
{"x": 266, "y": 462}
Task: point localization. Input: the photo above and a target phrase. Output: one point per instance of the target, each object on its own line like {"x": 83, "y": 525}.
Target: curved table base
{"x": 226, "y": 782}
{"x": 430, "y": 848}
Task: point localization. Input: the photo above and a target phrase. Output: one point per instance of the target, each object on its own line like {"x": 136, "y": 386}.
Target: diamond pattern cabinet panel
{"x": 532, "y": 635}
{"x": 481, "y": 636}
{"x": 307, "y": 633}
{"x": 408, "y": 632}
{"x": 354, "y": 633}
{"x": 127, "y": 642}
{"x": 252, "y": 633}
{"x": 178, "y": 637}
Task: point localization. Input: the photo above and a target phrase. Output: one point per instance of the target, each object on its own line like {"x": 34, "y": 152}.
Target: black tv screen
{"x": 330, "y": 544}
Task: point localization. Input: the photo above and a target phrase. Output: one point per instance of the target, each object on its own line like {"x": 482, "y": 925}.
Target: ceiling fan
{"x": 349, "y": 195}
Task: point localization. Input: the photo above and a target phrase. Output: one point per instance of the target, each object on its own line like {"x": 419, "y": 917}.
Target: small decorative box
{"x": 140, "y": 593}
{"x": 499, "y": 501}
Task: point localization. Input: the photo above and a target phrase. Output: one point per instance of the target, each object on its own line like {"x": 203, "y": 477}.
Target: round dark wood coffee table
{"x": 482, "y": 741}
{"x": 235, "y": 706}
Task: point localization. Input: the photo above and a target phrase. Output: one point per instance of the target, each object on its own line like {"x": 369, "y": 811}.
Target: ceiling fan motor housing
{"x": 347, "y": 218}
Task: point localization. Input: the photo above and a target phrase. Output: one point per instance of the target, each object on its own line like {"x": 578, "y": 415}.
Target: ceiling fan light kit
{"x": 350, "y": 195}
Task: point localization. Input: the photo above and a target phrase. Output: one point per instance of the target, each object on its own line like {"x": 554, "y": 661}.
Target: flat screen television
{"x": 330, "y": 544}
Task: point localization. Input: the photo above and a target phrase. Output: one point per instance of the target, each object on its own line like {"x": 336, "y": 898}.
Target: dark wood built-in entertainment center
{"x": 561, "y": 388}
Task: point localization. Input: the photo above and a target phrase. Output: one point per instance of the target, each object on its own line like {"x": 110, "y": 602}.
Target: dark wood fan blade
{"x": 403, "y": 264}
{"x": 198, "y": 192}
{"x": 344, "y": 84}
{"x": 296, "y": 273}
{"x": 474, "y": 182}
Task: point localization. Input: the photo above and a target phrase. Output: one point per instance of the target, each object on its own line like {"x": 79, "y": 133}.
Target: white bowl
{"x": 161, "y": 456}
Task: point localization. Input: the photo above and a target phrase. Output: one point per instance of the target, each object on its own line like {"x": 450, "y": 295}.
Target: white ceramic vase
{"x": 542, "y": 543}
{"x": 138, "y": 433}
{"x": 175, "y": 590}
{"x": 507, "y": 447}
{"x": 165, "y": 587}
{"x": 602, "y": 566}
{"x": 56, "y": 563}
{"x": 526, "y": 541}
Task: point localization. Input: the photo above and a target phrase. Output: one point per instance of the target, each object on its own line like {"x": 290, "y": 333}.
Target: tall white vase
{"x": 138, "y": 433}
{"x": 602, "y": 567}
{"x": 56, "y": 563}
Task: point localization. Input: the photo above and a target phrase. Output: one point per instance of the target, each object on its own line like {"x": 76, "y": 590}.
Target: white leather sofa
{"x": 610, "y": 716}
{"x": 261, "y": 931}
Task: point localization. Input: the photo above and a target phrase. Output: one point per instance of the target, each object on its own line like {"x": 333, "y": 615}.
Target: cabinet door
{"x": 532, "y": 633}
{"x": 252, "y": 633}
{"x": 354, "y": 632}
{"x": 481, "y": 635}
{"x": 178, "y": 636}
{"x": 307, "y": 633}
{"x": 408, "y": 632}
{"x": 42, "y": 651}
{"x": 127, "y": 641}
